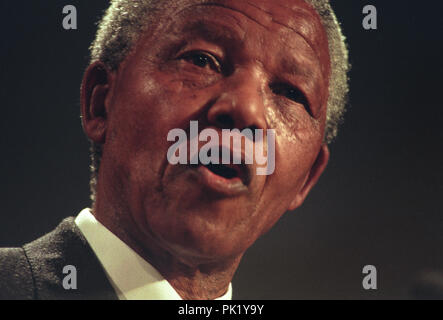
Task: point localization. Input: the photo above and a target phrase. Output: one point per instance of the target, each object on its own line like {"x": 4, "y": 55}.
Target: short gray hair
{"x": 125, "y": 20}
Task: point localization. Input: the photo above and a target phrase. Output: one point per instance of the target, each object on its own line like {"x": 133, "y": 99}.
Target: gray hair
{"x": 125, "y": 20}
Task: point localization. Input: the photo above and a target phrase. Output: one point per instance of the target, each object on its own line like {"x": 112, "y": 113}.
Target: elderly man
{"x": 162, "y": 230}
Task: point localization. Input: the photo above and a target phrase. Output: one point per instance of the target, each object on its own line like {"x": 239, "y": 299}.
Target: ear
{"x": 95, "y": 97}
{"x": 312, "y": 178}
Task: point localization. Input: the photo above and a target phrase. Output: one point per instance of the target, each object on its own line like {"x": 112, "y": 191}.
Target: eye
{"x": 291, "y": 93}
{"x": 202, "y": 60}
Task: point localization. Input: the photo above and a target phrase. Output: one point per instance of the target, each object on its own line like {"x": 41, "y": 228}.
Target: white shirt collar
{"x": 132, "y": 277}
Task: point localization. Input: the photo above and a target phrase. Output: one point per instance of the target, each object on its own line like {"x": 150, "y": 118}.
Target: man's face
{"x": 228, "y": 64}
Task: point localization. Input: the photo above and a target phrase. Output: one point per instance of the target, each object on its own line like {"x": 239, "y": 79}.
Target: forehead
{"x": 283, "y": 19}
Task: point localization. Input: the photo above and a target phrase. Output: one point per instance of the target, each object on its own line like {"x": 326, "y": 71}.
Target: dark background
{"x": 378, "y": 203}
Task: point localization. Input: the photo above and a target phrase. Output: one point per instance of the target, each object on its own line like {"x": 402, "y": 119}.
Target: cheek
{"x": 137, "y": 131}
{"x": 295, "y": 155}
{"x": 293, "y": 124}
{"x": 146, "y": 109}
{"x": 148, "y": 105}
{"x": 298, "y": 139}
{"x": 163, "y": 98}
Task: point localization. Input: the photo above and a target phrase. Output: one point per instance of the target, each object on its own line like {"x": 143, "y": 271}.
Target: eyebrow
{"x": 292, "y": 66}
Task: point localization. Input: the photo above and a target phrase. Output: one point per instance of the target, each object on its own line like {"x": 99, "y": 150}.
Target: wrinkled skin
{"x": 216, "y": 63}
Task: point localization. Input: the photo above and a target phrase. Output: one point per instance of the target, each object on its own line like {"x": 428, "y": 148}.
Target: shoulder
{"x": 22, "y": 269}
{"x": 42, "y": 265}
{"x": 47, "y": 257}
{"x": 15, "y": 275}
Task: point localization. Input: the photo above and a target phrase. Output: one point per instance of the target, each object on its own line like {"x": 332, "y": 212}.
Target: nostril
{"x": 225, "y": 121}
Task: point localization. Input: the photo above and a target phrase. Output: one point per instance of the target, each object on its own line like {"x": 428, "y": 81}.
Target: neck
{"x": 192, "y": 278}
{"x": 206, "y": 281}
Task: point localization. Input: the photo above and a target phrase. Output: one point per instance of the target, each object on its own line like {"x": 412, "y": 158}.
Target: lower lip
{"x": 228, "y": 187}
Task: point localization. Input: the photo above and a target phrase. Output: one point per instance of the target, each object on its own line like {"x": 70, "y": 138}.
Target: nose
{"x": 240, "y": 105}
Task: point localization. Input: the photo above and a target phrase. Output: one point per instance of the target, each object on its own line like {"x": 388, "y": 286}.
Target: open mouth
{"x": 230, "y": 180}
{"x": 222, "y": 170}
{"x": 228, "y": 172}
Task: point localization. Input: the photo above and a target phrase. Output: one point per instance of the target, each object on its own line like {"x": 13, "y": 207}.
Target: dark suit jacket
{"x": 35, "y": 271}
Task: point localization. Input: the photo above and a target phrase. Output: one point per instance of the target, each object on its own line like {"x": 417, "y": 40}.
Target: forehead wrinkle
{"x": 281, "y": 23}
{"x": 205, "y": 4}
{"x": 305, "y": 38}
{"x": 213, "y": 31}
{"x": 259, "y": 8}
{"x": 298, "y": 11}
{"x": 236, "y": 10}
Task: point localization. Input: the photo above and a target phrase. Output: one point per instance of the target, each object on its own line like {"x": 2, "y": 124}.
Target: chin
{"x": 206, "y": 254}
{"x": 203, "y": 243}
{"x": 200, "y": 227}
